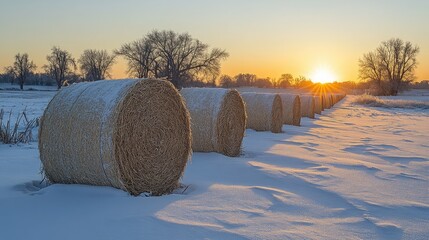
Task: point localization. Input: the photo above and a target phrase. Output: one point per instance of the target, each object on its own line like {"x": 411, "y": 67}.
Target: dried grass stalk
{"x": 291, "y": 109}
{"x": 218, "y": 119}
{"x": 19, "y": 131}
{"x": 264, "y": 111}
{"x": 307, "y": 106}
{"x": 130, "y": 134}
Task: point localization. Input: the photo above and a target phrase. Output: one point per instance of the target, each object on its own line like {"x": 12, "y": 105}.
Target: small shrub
{"x": 373, "y": 101}
{"x": 12, "y": 133}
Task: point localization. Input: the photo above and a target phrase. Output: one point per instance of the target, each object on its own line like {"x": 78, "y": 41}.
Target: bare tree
{"x": 285, "y": 80}
{"x": 370, "y": 67}
{"x": 263, "y": 83}
{"x": 245, "y": 79}
{"x": 60, "y": 65}
{"x": 179, "y": 56}
{"x": 226, "y": 81}
{"x": 21, "y": 69}
{"x": 301, "y": 82}
{"x": 96, "y": 64}
{"x": 297, "y": 80}
{"x": 392, "y": 64}
{"x": 10, "y": 74}
{"x": 141, "y": 58}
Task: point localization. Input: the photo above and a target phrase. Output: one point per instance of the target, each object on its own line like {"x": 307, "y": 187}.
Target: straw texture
{"x": 307, "y": 106}
{"x": 322, "y": 98}
{"x": 129, "y": 134}
{"x": 218, "y": 119}
{"x": 331, "y": 99}
{"x": 327, "y": 101}
{"x": 264, "y": 111}
{"x": 291, "y": 109}
{"x": 318, "y": 104}
{"x": 338, "y": 97}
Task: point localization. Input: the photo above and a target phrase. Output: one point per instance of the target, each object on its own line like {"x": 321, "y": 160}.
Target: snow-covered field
{"x": 355, "y": 172}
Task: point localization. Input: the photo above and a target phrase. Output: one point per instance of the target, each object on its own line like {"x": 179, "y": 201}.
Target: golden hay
{"x": 334, "y": 99}
{"x": 318, "y": 104}
{"x": 129, "y": 134}
{"x": 331, "y": 99}
{"x": 291, "y": 109}
{"x": 218, "y": 119}
{"x": 327, "y": 103}
{"x": 264, "y": 111}
{"x": 307, "y": 106}
{"x": 338, "y": 97}
{"x": 322, "y": 99}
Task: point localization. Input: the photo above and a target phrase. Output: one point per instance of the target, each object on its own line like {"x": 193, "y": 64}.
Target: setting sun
{"x": 323, "y": 75}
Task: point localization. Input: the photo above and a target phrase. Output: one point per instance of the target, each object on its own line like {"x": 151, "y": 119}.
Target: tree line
{"x": 251, "y": 80}
{"x": 177, "y": 57}
{"x": 186, "y": 61}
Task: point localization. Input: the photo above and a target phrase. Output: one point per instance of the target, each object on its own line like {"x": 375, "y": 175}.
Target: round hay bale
{"x": 331, "y": 99}
{"x": 327, "y": 101}
{"x": 264, "y": 111}
{"x": 318, "y": 104}
{"x": 307, "y": 106}
{"x": 129, "y": 134}
{"x": 322, "y": 100}
{"x": 291, "y": 109}
{"x": 334, "y": 99}
{"x": 218, "y": 119}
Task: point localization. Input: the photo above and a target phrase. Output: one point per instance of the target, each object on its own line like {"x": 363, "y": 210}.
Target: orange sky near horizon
{"x": 266, "y": 38}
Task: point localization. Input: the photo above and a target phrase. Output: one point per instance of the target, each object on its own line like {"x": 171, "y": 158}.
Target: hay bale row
{"x": 291, "y": 109}
{"x": 333, "y": 98}
{"x": 264, "y": 111}
{"x": 325, "y": 101}
{"x": 337, "y": 97}
{"x": 307, "y": 106}
{"x": 129, "y": 134}
{"x": 218, "y": 119}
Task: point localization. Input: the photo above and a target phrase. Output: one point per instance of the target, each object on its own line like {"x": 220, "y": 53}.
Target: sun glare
{"x": 323, "y": 75}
